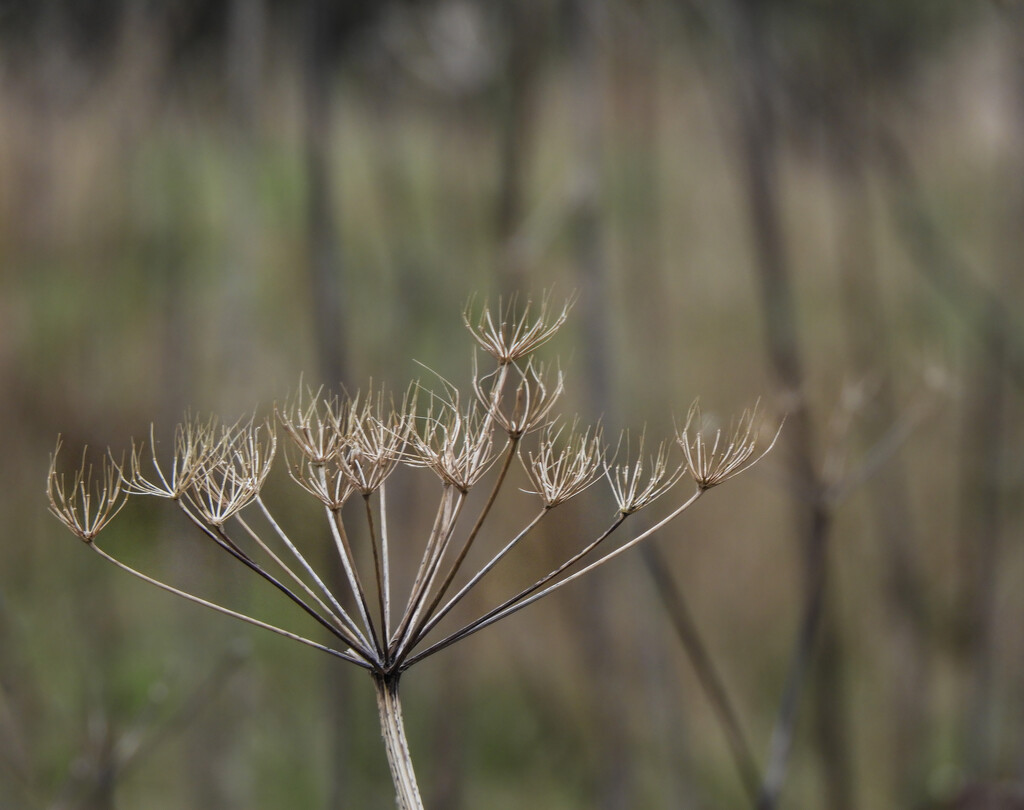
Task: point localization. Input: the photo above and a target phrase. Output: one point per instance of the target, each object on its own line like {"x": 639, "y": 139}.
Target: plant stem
{"x": 392, "y": 729}
{"x": 686, "y": 628}
{"x": 361, "y": 660}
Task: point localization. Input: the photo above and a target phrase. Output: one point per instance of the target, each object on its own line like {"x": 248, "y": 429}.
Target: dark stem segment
{"x": 440, "y": 614}
{"x": 421, "y": 575}
{"x": 228, "y": 612}
{"x": 225, "y": 542}
{"x": 221, "y": 539}
{"x": 439, "y": 549}
{"x": 392, "y": 729}
{"x": 679, "y": 613}
{"x": 800, "y": 664}
{"x": 457, "y": 564}
{"x": 357, "y": 585}
{"x": 512, "y": 604}
{"x": 378, "y": 570}
{"x": 760, "y": 163}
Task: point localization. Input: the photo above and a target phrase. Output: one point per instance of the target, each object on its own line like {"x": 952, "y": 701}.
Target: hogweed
{"x": 341, "y": 448}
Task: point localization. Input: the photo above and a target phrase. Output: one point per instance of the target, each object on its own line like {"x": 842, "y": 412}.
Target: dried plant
{"x": 311, "y": 422}
{"x": 87, "y": 505}
{"x": 193, "y": 441}
{"x": 562, "y": 467}
{"x": 727, "y": 454}
{"x": 347, "y": 447}
{"x": 532, "y": 400}
{"x": 513, "y": 335}
{"x": 232, "y": 471}
{"x": 634, "y": 487}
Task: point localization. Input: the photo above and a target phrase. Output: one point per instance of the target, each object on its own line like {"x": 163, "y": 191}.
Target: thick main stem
{"x": 392, "y": 729}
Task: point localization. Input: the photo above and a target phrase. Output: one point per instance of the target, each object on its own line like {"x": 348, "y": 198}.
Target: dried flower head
{"x": 311, "y": 422}
{"x": 531, "y": 401}
{"x": 373, "y": 436}
{"x": 328, "y": 482}
{"x": 632, "y": 485}
{"x": 727, "y": 455}
{"x": 87, "y": 505}
{"x": 194, "y": 441}
{"x": 514, "y": 335}
{"x": 564, "y": 465}
{"x": 234, "y": 471}
{"x": 457, "y": 445}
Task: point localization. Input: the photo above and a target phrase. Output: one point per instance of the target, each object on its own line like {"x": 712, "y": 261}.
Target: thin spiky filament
{"x": 327, "y": 482}
{"x": 458, "y": 445}
{"x": 374, "y": 434}
{"x": 311, "y": 421}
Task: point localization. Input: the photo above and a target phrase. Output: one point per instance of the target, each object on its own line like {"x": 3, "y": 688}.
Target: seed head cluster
{"x": 338, "y": 447}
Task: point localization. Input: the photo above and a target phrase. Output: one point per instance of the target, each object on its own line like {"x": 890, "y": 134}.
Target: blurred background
{"x": 813, "y": 202}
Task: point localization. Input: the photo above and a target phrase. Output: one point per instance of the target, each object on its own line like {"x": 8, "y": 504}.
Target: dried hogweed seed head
{"x": 194, "y": 441}
{"x": 514, "y": 335}
{"x": 87, "y": 505}
{"x": 234, "y": 472}
{"x": 532, "y": 396}
{"x": 564, "y": 466}
{"x": 311, "y": 422}
{"x": 633, "y": 486}
{"x": 327, "y": 481}
{"x": 727, "y": 454}
{"x": 457, "y": 445}
{"x": 374, "y": 434}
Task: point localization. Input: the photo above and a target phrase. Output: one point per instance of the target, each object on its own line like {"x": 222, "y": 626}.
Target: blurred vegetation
{"x": 172, "y": 174}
